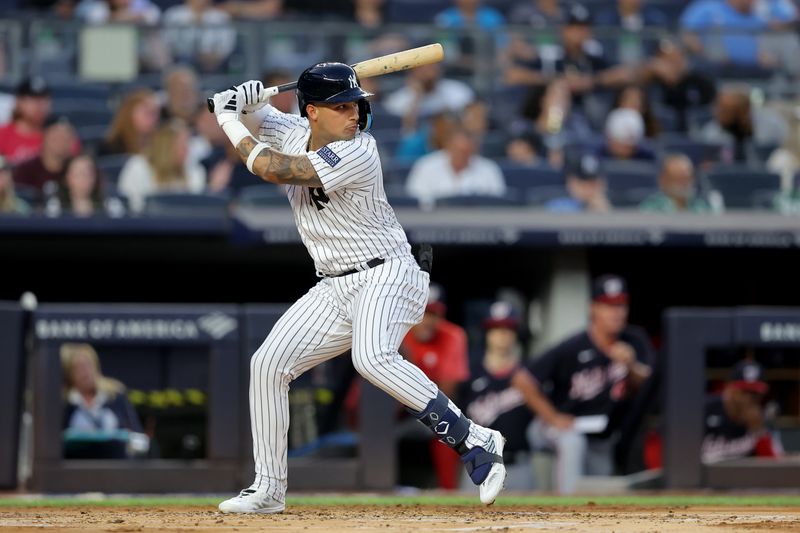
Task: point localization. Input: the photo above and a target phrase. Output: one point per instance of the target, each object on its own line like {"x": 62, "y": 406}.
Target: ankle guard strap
{"x": 478, "y": 463}
{"x": 451, "y": 428}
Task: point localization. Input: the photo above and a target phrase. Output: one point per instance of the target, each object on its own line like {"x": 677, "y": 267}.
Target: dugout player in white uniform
{"x": 371, "y": 292}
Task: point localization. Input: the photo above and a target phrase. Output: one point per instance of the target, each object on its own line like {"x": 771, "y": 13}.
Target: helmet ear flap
{"x": 364, "y": 115}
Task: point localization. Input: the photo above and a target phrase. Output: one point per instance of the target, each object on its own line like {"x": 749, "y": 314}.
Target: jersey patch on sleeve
{"x": 329, "y": 156}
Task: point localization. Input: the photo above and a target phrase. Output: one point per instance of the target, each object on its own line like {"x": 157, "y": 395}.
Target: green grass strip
{"x": 722, "y": 500}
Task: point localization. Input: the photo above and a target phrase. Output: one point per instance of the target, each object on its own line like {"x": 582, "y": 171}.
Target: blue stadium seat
{"x": 415, "y": 11}
{"x": 396, "y": 172}
{"x": 699, "y": 152}
{"x": 262, "y": 196}
{"x": 186, "y": 205}
{"x": 525, "y": 177}
{"x": 742, "y": 187}
{"x": 539, "y": 196}
{"x": 111, "y": 165}
{"x": 509, "y": 200}
{"x": 630, "y": 182}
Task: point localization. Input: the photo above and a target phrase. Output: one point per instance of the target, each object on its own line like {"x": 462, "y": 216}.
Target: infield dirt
{"x": 411, "y": 518}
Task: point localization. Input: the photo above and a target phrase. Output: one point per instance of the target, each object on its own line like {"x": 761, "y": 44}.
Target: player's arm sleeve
{"x": 346, "y": 164}
{"x": 272, "y": 126}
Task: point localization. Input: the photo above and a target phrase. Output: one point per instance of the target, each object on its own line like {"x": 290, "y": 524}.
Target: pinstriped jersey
{"x": 348, "y": 221}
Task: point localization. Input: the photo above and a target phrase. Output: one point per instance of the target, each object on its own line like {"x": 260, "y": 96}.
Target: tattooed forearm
{"x": 278, "y": 167}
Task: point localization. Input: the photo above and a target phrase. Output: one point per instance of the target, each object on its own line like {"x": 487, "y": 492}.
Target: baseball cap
{"x": 33, "y": 86}
{"x": 584, "y": 166}
{"x": 436, "y": 303}
{"x": 749, "y": 376}
{"x": 501, "y": 315}
{"x": 578, "y": 14}
{"x": 625, "y": 126}
{"x": 610, "y": 289}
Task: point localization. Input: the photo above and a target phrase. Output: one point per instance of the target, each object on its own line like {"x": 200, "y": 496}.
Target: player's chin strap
{"x": 452, "y": 428}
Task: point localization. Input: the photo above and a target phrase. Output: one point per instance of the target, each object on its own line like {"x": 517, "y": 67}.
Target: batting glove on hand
{"x": 227, "y": 106}
{"x": 251, "y": 92}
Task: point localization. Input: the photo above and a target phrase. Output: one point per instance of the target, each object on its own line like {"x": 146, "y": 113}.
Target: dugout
{"x": 11, "y": 386}
{"x": 154, "y": 349}
{"x": 690, "y": 334}
{"x": 373, "y": 464}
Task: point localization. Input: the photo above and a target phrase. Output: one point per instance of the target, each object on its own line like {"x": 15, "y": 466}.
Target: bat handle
{"x": 268, "y": 93}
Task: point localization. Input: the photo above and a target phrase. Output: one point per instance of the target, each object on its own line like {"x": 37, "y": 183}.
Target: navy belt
{"x": 372, "y": 263}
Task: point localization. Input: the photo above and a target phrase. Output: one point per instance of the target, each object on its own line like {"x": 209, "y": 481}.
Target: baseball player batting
{"x": 371, "y": 289}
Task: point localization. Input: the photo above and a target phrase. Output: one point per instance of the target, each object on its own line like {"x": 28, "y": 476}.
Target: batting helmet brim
{"x": 350, "y": 95}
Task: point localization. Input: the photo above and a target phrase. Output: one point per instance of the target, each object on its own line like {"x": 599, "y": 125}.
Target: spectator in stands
{"x": 780, "y": 41}
{"x": 21, "y": 138}
{"x": 164, "y": 166}
{"x": 538, "y": 14}
{"x": 221, "y": 162}
{"x": 425, "y": 94}
{"x": 253, "y": 9}
{"x": 578, "y": 59}
{"x": 490, "y": 395}
{"x": 369, "y": 13}
{"x": 678, "y": 189}
{"x": 725, "y": 32}
{"x": 120, "y": 11}
{"x": 548, "y": 110}
{"x": 439, "y": 348}
{"x": 182, "y": 94}
{"x": 134, "y": 124}
{"x": 632, "y": 16}
{"x": 470, "y": 14}
{"x": 742, "y": 128}
{"x": 285, "y": 102}
{"x": 624, "y": 135}
{"x": 455, "y": 171}
{"x": 81, "y": 192}
{"x": 682, "y": 85}
{"x": 95, "y": 406}
{"x": 10, "y": 203}
{"x": 200, "y": 33}
{"x": 634, "y": 97}
{"x": 429, "y": 137}
{"x": 526, "y": 149}
{"x": 586, "y": 187}
{"x": 587, "y": 377}
{"x": 45, "y": 171}
{"x": 735, "y": 421}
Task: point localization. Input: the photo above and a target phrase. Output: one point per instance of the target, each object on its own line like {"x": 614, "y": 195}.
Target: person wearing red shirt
{"x": 439, "y": 348}
{"x": 21, "y": 139}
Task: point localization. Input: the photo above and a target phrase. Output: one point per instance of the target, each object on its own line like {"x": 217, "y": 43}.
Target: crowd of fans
{"x": 597, "y": 106}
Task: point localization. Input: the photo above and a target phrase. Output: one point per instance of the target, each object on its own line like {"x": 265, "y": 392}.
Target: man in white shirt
{"x": 426, "y": 94}
{"x": 456, "y": 170}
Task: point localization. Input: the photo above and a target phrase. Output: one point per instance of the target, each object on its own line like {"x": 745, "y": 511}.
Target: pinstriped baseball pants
{"x": 368, "y": 312}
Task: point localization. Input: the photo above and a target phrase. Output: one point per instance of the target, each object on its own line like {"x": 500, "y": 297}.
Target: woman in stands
{"x": 133, "y": 125}
{"x": 10, "y": 203}
{"x": 96, "y": 408}
{"x": 164, "y": 166}
{"x": 81, "y": 192}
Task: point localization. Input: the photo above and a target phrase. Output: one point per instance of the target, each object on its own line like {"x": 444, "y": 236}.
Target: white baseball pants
{"x": 368, "y": 312}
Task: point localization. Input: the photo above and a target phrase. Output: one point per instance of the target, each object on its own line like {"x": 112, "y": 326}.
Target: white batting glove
{"x": 251, "y": 92}
{"x": 227, "y": 106}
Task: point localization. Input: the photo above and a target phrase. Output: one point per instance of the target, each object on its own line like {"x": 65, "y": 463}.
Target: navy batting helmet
{"x": 333, "y": 83}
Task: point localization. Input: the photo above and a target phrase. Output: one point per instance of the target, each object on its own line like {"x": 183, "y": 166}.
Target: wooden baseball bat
{"x": 415, "y": 57}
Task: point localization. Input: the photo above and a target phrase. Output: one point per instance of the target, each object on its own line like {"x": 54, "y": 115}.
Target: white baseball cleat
{"x": 252, "y": 500}
{"x": 496, "y": 479}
